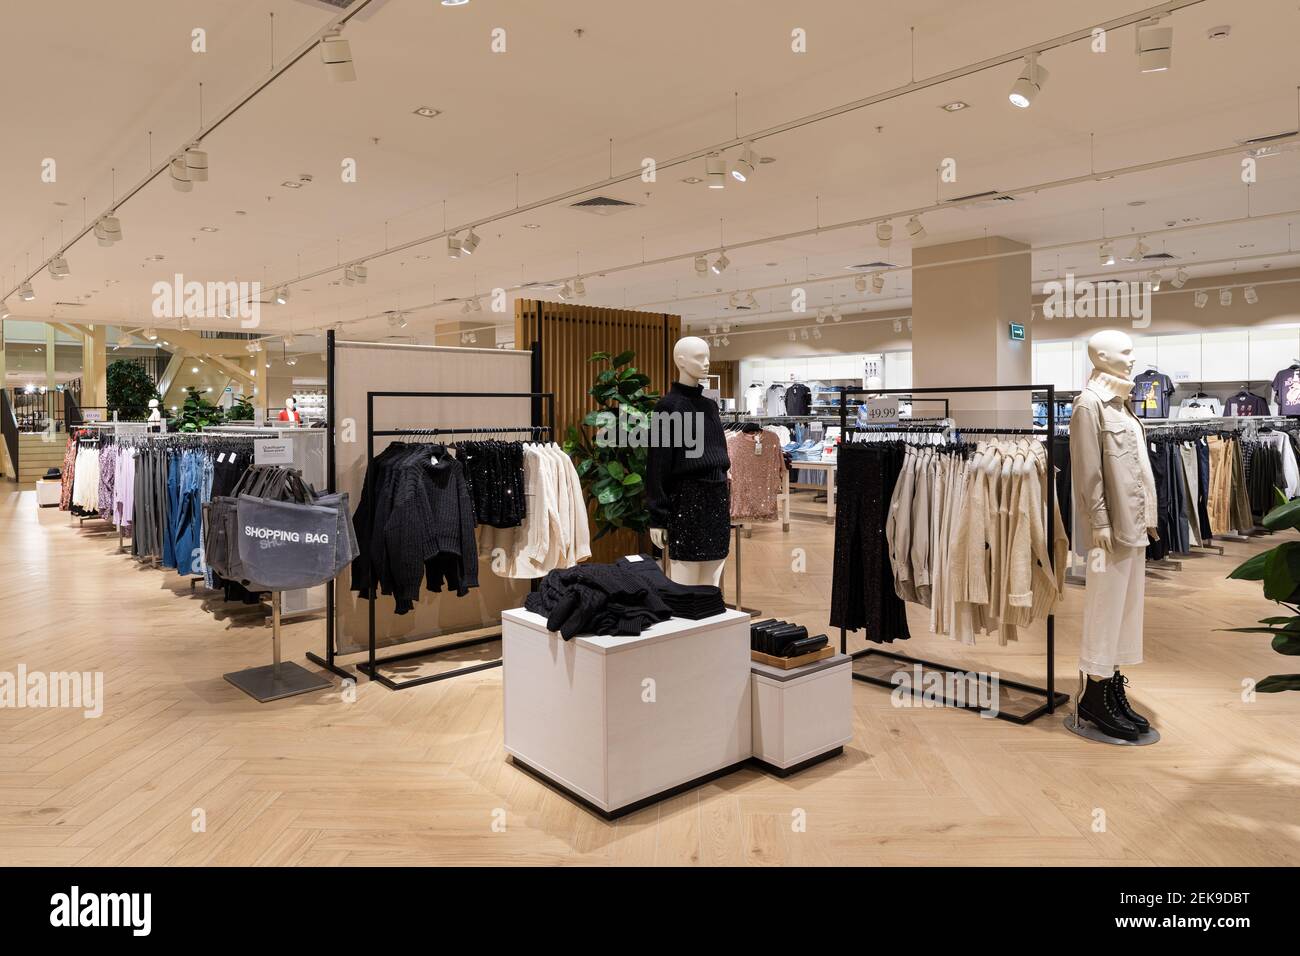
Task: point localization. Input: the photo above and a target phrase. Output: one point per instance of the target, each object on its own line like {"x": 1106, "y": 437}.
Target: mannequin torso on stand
{"x": 290, "y": 412}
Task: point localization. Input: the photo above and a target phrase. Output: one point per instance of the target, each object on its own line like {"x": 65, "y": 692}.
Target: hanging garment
{"x": 554, "y": 532}
{"x": 1151, "y": 392}
{"x": 68, "y": 476}
{"x": 756, "y": 474}
{"x": 774, "y": 401}
{"x": 798, "y": 399}
{"x": 1114, "y": 593}
{"x": 1286, "y": 390}
{"x": 1245, "y": 403}
{"x": 755, "y": 399}
{"x": 494, "y": 472}
{"x": 680, "y": 479}
{"x": 1200, "y": 406}
{"x": 1191, "y": 486}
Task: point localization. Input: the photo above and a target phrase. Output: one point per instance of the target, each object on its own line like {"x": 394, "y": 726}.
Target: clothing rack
{"x": 371, "y": 666}
{"x": 1051, "y": 696}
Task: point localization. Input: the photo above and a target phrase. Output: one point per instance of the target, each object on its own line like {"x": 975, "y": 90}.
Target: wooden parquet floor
{"x": 419, "y": 777}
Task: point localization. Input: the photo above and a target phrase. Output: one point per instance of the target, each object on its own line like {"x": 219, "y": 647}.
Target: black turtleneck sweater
{"x": 670, "y": 460}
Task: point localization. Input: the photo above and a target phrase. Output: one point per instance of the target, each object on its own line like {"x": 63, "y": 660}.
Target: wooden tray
{"x": 790, "y": 663}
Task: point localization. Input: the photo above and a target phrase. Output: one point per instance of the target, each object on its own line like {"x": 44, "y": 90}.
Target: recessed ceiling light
{"x": 692, "y": 180}
{"x": 766, "y": 160}
{"x": 532, "y": 225}
{"x": 209, "y": 229}
{"x": 1138, "y": 202}
{"x": 955, "y": 106}
{"x": 154, "y": 258}
{"x": 241, "y": 212}
{"x": 418, "y": 257}
{"x": 427, "y": 111}
{"x": 454, "y": 3}
{"x": 291, "y": 184}
{"x": 59, "y": 202}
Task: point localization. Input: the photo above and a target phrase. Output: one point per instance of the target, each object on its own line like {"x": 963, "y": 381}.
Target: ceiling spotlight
{"x": 803, "y": 334}
{"x": 884, "y": 233}
{"x": 453, "y": 247}
{"x": 194, "y": 369}
{"x": 713, "y": 328}
{"x": 1180, "y": 279}
{"x": 746, "y": 165}
{"x": 791, "y": 335}
{"x": 59, "y": 268}
{"x": 821, "y": 316}
{"x": 464, "y": 308}
{"x": 1139, "y": 252}
{"x": 4, "y": 310}
{"x": 196, "y": 164}
{"x": 336, "y": 53}
{"x": 428, "y": 112}
{"x": 726, "y": 341}
{"x": 1225, "y": 297}
{"x": 291, "y": 360}
{"x": 1252, "y": 296}
{"x": 185, "y": 324}
{"x": 469, "y": 243}
{"x": 915, "y": 229}
{"x": 817, "y": 333}
{"x": 579, "y": 287}
{"x": 401, "y": 321}
{"x": 720, "y": 264}
{"x": 956, "y": 106}
{"x": 454, "y": 3}
{"x": 282, "y": 296}
{"x": 835, "y": 314}
{"x": 1155, "y": 281}
{"x": 1199, "y": 299}
{"x": 898, "y": 325}
{"x": 565, "y": 292}
{"x": 151, "y": 334}
{"x": 108, "y": 230}
{"x": 878, "y": 282}
{"x": 860, "y": 283}
{"x": 1028, "y": 84}
{"x": 180, "y": 175}
{"x": 124, "y": 341}
{"x": 1155, "y": 46}
{"x": 355, "y": 274}
{"x": 1107, "y": 254}
{"x": 715, "y": 166}
{"x": 476, "y": 305}
{"x": 25, "y": 292}
{"x": 701, "y": 265}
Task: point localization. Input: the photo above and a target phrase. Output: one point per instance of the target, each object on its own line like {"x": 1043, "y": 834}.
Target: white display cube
{"x": 620, "y": 722}
{"x": 48, "y": 492}
{"x": 802, "y": 715}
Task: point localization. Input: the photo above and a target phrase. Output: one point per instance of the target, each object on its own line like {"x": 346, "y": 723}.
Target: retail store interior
{"x": 984, "y": 321}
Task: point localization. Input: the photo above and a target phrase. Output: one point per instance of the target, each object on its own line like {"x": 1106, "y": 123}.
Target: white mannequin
{"x": 691, "y": 356}
{"x": 155, "y": 417}
{"x": 1110, "y": 351}
{"x": 290, "y": 413}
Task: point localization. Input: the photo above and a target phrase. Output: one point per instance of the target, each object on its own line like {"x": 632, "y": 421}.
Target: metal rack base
{"x": 374, "y": 672}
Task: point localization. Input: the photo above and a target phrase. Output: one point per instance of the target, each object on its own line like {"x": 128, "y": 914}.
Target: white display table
{"x": 620, "y": 722}
{"x": 48, "y": 492}
{"x": 802, "y": 716}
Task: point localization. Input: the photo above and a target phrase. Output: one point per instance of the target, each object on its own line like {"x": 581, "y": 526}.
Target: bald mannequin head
{"x": 1111, "y": 351}
{"x": 691, "y": 356}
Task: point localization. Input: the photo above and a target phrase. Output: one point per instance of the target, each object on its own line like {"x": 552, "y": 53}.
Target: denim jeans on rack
{"x": 173, "y": 506}
{"x": 189, "y": 515}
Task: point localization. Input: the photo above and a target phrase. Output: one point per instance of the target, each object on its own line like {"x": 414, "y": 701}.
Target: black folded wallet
{"x": 806, "y": 646}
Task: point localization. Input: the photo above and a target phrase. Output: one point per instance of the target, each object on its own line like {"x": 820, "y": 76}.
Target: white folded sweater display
{"x": 555, "y": 532}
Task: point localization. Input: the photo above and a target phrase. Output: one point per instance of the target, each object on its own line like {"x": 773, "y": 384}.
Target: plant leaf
{"x": 610, "y": 494}
{"x": 632, "y": 478}
{"x": 1252, "y": 569}
{"x": 1285, "y": 516}
{"x": 1282, "y": 571}
{"x": 1288, "y": 644}
{"x": 622, "y": 358}
{"x": 1249, "y": 630}
{"x": 1278, "y": 682}
{"x": 616, "y": 471}
{"x": 598, "y": 356}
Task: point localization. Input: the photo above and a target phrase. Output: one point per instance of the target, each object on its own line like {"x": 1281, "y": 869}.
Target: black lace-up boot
{"x": 1117, "y": 689}
{"x": 1099, "y": 707}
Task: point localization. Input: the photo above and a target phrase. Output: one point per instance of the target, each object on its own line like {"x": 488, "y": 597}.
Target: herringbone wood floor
{"x": 418, "y": 777}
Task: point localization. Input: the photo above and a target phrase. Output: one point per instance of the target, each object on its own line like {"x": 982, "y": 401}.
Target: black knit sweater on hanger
{"x": 668, "y": 466}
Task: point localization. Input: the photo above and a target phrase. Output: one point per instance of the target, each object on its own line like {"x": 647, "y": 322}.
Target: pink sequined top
{"x": 757, "y": 469}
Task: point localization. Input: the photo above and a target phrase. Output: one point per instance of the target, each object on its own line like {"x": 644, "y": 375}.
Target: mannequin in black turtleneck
{"x": 686, "y": 478}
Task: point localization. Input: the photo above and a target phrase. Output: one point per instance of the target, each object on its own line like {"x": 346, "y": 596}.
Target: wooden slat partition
{"x": 567, "y": 335}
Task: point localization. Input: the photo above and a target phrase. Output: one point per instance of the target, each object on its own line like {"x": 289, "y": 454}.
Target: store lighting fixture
{"x": 821, "y": 316}
{"x": 898, "y": 325}
{"x": 194, "y": 369}
{"x": 835, "y": 314}
{"x": 282, "y": 296}
{"x": 476, "y": 305}
{"x": 108, "y": 230}
{"x": 1155, "y": 46}
{"x": 1107, "y": 254}
{"x": 151, "y": 334}
{"x": 185, "y": 324}
{"x": 1252, "y": 297}
{"x": 454, "y": 3}
{"x": 1155, "y": 279}
{"x": 1180, "y": 279}
{"x": 803, "y": 334}
{"x": 791, "y": 336}
{"x": 180, "y": 175}
{"x": 59, "y": 268}
{"x": 288, "y": 338}
{"x": 720, "y": 264}
{"x": 336, "y": 54}
{"x": 464, "y": 308}
{"x": 746, "y": 165}
{"x": 860, "y": 283}
{"x": 878, "y": 282}
{"x": 1028, "y": 84}
{"x": 701, "y": 265}
{"x": 196, "y": 164}
{"x": 1225, "y": 297}
{"x": 453, "y": 247}
{"x": 1199, "y": 299}
{"x": 579, "y": 287}
{"x": 1138, "y": 253}
{"x": 291, "y": 360}
{"x": 25, "y": 292}
{"x": 817, "y": 333}
{"x": 469, "y": 243}
{"x": 914, "y": 229}
{"x": 124, "y": 341}
{"x": 715, "y": 166}
{"x": 356, "y": 275}
{"x": 884, "y": 234}
{"x": 4, "y": 310}
{"x": 725, "y": 341}
{"x": 909, "y": 323}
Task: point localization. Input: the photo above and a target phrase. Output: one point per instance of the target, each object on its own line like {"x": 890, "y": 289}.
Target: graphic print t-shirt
{"x": 1151, "y": 391}
{"x": 1245, "y": 403}
{"x": 1286, "y": 387}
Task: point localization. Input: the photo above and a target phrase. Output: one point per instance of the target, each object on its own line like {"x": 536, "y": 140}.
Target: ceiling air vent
{"x": 980, "y": 200}
{"x": 69, "y": 305}
{"x": 603, "y": 205}
{"x": 1157, "y": 257}
{"x": 867, "y": 266}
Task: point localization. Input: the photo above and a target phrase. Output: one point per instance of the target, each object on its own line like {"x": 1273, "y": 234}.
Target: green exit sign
{"x": 1017, "y": 332}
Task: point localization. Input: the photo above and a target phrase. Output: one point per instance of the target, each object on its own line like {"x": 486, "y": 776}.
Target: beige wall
{"x": 866, "y": 332}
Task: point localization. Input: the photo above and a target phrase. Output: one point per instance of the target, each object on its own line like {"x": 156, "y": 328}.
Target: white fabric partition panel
{"x": 361, "y": 367}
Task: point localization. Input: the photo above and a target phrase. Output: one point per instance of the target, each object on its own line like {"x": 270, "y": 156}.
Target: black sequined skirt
{"x": 699, "y": 527}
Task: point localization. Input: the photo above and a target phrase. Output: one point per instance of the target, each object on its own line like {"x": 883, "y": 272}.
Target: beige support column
{"x": 94, "y": 360}
{"x": 6, "y": 466}
{"x": 961, "y": 327}
{"x": 50, "y": 342}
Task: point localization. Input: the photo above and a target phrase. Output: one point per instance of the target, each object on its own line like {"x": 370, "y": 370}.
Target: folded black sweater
{"x": 596, "y": 599}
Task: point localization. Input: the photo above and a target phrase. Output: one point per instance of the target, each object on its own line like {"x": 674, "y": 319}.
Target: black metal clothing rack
{"x": 1051, "y": 698}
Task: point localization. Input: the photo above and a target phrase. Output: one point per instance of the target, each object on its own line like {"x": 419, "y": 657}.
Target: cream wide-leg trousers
{"x": 1114, "y": 591}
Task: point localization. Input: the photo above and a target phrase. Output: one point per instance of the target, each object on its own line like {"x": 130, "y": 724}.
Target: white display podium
{"x": 621, "y": 722}
{"x": 802, "y": 716}
{"x": 48, "y": 492}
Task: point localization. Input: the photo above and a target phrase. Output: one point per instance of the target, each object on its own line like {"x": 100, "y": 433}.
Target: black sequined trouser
{"x": 699, "y": 525}
{"x": 862, "y": 588}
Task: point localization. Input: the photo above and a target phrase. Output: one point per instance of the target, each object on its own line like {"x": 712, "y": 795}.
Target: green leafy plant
{"x": 1279, "y": 570}
{"x": 197, "y": 412}
{"x": 241, "y": 410}
{"x": 129, "y": 389}
{"x": 614, "y": 474}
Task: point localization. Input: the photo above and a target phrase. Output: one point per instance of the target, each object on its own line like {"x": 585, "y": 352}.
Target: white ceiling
{"x": 90, "y": 81}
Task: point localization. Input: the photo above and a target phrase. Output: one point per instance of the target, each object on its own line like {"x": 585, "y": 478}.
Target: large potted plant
{"x": 129, "y": 389}
{"x": 197, "y": 412}
{"x": 613, "y": 473}
{"x": 241, "y": 410}
{"x": 1279, "y": 570}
